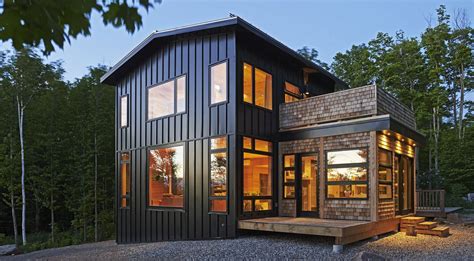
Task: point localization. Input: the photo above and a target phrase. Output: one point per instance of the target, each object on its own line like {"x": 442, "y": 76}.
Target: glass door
{"x": 403, "y": 185}
{"x": 307, "y": 185}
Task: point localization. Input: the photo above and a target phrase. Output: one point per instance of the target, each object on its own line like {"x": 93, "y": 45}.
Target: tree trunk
{"x": 461, "y": 105}
{"x": 20, "y": 110}
{"x": 37, "y": 213}
{"x": 96, "y": 216}
{"x": 52, "y": 216}
{"x": 15, "y": 226}
{"x": 436, "y": 122}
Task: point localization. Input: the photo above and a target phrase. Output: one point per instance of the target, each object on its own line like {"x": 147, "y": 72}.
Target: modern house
{"x": 220, "y": 128}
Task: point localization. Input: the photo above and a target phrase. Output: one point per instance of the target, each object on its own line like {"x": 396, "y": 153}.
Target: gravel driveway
{"x": 458, "y": 246}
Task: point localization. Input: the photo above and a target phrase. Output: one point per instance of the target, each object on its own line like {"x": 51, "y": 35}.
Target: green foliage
{"x": 48, "y": 23}
{"x": 312, "y": 55}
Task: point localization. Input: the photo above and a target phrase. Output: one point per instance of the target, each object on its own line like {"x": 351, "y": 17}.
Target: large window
{"x": 167, "y": 98}
{"x": 166, "y": 177}
{"x": 219, "y": 82}
{"x": 346, "y": 175}
{"x": 292, "y": 93}
{"x": 218, "y": 177}
{"x": 257, "y": 168}
{"x": 385, "y": 174}
{"x": 124, "y": 111}
{"x": 124, "y": 180}
{"x": 289, "y": 176}
{"x": 257, "y": 87}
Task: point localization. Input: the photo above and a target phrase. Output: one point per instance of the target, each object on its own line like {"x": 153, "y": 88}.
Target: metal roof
{"x": 114, "y": 74}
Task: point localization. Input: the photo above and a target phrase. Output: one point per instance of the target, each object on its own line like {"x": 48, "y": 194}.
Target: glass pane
{"x": 262, "y": 145}
{"x": 248, "y": 96}
{"x": 289, "y": 192}
{"x": 289, "y": 98}
{"x": 263, "y": 89}
{"x": 181, "y": 94}
{"x": 309, "y": 183}
{"x": 289, "y": 161}
{"x": 292, "y": 88}
{"x": 347, "y": 174}
{"x": 124, "y": 156}
{"x": 219, "y": 143}
{"x": 247, "y": 143}
{"x": 257, "y": 175}
{"x": 385, "y": 191}
{"x": 247, "y": 205}
{"x": 289, "y": 176}
{"x": 123, "y": 111}
{"x": 347, "y": 191}
{"x": 263, "y": 204}
{"x": 219, "y": 83}
{"x": 125, "y": 181}
{"x": 385, "y": 157}
{"x": 161, "y": 100}
{"x": 219, "y": 174}
{"x": 218, "y": 205}
{"x": 385, "y": 174}
{"x": 347, "y": 156}
{"x": 166, "y": 177}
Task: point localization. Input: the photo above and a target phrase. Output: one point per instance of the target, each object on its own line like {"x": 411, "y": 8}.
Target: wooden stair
{"x": 423, "y": 227}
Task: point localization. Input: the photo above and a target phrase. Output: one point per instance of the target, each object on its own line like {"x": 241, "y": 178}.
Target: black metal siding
{"x": 191, "y": 56}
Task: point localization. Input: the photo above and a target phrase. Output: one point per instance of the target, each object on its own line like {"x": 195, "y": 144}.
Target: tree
{"x": 47, "y": 23}
{"x": 354, "y": 66}
{"x": 312, "y": 55}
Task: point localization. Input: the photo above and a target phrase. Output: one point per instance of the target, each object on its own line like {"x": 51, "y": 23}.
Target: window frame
{"x": 346, "y": 165}
{"x": 253, "y": 86}
{"x": 292, "y": 94}
{"x": 289, "y": 184}
{"x": 185, "y": 186}
{"x": 128, "y": 111}
{"x": 253, "y": 198}
{"x": 175, "y": 91}
{"x": 127, "y": 197}
{"x": 209, "y": 87}
{"x": 226, "y": 197}
{"x": 388, "y": 166}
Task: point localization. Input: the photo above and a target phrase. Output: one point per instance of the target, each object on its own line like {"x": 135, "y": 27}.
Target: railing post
{"x": 442, "y": 201}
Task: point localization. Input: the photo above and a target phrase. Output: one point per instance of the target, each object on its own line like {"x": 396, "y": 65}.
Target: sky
{"x": 328, "y": 26}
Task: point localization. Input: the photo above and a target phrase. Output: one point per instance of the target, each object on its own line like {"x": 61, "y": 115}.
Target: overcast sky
{"x": 329, "y": 26}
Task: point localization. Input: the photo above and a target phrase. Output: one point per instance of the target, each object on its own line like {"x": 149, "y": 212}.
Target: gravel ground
{"x": 458, "y": 246}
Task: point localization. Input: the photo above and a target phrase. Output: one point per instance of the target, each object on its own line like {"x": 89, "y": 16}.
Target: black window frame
{"x": 387, "y": 166}
{"x": 346, "y": 165}
{"x": 289, "y": 184}
{"x": 290, "y": 93}
{"x": 185, "y": 175}
{"x": 253, "y": 86}
{"x": 226, "y": 197}
{"x": 209, "y": 87}
{"x": 175, "y": 103}
{"x": 128, "y": 111}
{"x": 127, "y": 197}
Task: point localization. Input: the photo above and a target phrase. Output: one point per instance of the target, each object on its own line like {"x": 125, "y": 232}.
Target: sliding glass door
{"x": 403, "y": 185}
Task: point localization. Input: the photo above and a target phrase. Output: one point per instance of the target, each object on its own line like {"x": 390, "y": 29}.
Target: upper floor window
{"x": 346, "y": 175}
{"x": 292, "y": 93}
{"x": 257, "y": 87}
{"x": 219, "y": 83}
{"x": 166, "y": 177}
{"x": 124, "y": 111}
{"x": 167, "y": 98}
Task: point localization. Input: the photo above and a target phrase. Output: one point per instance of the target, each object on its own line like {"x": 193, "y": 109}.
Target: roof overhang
{"x": 374, "y": 123}
{"x": 115, "y": 73}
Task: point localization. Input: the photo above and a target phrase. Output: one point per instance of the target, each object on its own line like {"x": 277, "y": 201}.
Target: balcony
{"x": 346, "y": 105}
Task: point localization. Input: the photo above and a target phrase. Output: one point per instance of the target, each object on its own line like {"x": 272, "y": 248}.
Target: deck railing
{"x": 432, "y": 200}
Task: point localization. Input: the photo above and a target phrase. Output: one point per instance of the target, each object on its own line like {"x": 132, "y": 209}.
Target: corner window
{"x": 166, "y": 177}
{"x": 124, "y": 180}
{"x": 257, "y": 87}
{"x": 292, "y": 93}
{"x": 346, "y": 174}
{"x": 385, "y": 173}
{"x": 167, "y": 98}
{"x": 124, "y": 111}
{"x": 218, "y": 175}
{"x": 219, "y": 83}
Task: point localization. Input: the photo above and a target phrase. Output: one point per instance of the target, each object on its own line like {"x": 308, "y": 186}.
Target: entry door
{"x": 403, "y": 185}
{"x": 307, "y": 185}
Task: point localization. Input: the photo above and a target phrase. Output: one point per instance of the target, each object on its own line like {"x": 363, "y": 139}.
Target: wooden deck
{"x": 437, "y": 212}
{"x": 344, "y": 231}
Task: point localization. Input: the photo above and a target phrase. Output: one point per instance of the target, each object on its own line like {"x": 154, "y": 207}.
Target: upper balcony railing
{"x": 348, "y": 104}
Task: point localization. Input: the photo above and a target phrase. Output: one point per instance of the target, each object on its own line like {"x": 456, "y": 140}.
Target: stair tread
{"x": 428, "y": 223}
{"x": 440, "y": 228}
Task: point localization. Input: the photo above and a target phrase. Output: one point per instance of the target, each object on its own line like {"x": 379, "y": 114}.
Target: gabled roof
{"x": 114, "y": 74}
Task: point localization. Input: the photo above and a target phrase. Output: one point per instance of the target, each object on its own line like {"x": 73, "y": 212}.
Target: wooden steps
{"x": 423, "y": 227}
